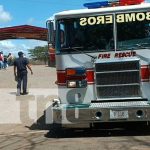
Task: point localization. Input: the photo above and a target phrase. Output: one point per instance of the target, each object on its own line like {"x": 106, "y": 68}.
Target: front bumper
{"x": 102, "y": 112}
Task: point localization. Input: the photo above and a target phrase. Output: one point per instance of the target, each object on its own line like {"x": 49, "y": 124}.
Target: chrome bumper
{"x": 102, "y": 112}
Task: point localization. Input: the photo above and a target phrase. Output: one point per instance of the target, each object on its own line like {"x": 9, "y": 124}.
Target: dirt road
{"x": 19, "y": 128}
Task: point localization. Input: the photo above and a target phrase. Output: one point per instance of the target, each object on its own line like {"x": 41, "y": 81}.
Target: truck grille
{"x": 118, "y": 79}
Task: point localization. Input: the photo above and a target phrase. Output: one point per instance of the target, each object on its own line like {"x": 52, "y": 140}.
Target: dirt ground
{"x": 22, "y": 120}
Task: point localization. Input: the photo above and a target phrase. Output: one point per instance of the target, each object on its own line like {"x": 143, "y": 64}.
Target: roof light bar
{"x": 96, "y": 4}
{"x": 107, "y": 3}
{"x": 130, "y": 2}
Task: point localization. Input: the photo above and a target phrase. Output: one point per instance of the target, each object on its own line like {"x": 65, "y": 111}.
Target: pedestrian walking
{"x": 20, "y": 72}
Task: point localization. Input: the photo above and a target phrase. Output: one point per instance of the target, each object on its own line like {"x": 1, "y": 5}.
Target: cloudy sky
{"x": 30, "y": 12}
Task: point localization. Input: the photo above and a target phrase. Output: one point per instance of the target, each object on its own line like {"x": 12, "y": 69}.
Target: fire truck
{"x": 103, "y": 63}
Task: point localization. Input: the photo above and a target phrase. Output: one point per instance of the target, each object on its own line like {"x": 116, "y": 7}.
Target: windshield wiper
{"x": 76, "y": 49}
{"x": 135, "y": 46}
{"x": 143, "y": 45}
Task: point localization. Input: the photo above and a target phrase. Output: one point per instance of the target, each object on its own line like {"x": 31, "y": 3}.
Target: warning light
{"x": 96, "y": 4}
{"x": 112, "y": 3}
{"x": 130, "y": 2}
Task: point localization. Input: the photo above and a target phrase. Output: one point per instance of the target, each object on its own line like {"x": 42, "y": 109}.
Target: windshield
{"x": 86, "y": 38}
{"x": 133, "y": 35}
{"x": 131, "y": 31}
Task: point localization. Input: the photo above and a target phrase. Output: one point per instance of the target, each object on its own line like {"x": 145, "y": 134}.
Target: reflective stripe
{"x": 62, "y": 78}
{"x": 90, "y": 76}
{"x": 145, "y": 73}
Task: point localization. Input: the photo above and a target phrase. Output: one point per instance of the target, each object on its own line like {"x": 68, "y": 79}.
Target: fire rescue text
{"x": 120, "y": 18}
{"x": 117, "y": 55}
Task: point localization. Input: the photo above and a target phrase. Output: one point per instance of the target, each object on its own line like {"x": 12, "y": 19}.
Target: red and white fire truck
{"x": 102, "y": 63}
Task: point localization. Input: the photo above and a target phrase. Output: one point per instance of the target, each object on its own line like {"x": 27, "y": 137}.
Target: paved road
{"x": 19, "y": 129}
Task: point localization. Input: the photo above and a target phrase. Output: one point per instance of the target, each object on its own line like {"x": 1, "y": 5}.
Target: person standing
{"x": 1, "y": 60}
{"x": 10, "y": 59}
{"x": 5, "y": 62}
{"x": 20, "y": 72}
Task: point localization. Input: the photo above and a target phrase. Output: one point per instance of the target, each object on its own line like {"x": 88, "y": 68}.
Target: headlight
{"x": 71, "y": 84}
{"x": 77, "y": 84}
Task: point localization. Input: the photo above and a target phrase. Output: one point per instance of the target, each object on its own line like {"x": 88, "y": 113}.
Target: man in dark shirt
{"x": 20, "y": 71}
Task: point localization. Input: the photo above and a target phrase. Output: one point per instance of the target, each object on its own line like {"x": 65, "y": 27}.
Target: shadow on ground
{"x": 12, "y": 93}
{"x": 40, "y": 124}
{"x": 101, "y": 130}
{"x": 56, "y": 132}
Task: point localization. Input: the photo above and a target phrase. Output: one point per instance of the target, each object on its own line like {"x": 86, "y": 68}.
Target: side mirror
{"x": 51, "y": 31}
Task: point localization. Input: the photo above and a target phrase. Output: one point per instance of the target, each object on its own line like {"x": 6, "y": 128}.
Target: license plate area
{"x": 119, "y": 114}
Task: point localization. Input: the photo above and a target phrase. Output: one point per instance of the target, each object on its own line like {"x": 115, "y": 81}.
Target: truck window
{"x": 133, "y": 35}
{"x": 90, "y": 38}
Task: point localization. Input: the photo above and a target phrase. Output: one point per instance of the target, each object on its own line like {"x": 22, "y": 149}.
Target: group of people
{"x": 5, "y": 61}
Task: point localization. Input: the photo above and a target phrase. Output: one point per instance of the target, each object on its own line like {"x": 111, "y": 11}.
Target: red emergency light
{"x": 112, "y": 3}
{"x": 130, "y": 2}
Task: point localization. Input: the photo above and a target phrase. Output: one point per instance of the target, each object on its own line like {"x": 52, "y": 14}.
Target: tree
{"x": 39, "y": 53}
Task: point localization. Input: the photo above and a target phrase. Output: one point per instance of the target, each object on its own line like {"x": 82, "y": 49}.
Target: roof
{"x": 81, "y": 12}
{"x": 23, "y": 32}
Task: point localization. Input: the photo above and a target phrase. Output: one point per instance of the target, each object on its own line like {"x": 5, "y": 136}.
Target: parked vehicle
{"x": 103, "y": 63}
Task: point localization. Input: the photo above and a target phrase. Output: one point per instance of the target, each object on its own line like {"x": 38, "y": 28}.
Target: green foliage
{"x": 39, "y": 53}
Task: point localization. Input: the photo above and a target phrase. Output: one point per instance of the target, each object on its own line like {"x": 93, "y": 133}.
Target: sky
{"x": 30, "y": 12}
